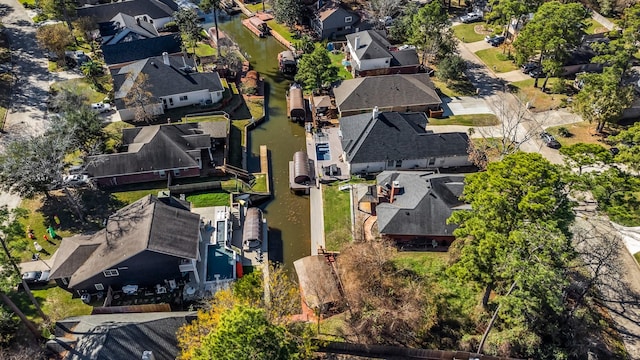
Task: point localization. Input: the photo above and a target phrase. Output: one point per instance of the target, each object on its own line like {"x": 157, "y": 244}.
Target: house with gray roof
{"x": 371, "y": 54}
{"x": 329, "y": 19}
{"x": 413, "y": 206}
{"x": 122, "y": 53}
{"x": 154, "y": 153}
{"x": 379, "y": 141}
{"x": 126, "y": 28}
{"x": 398, "y": 92}
{"x": 172, "y": 80}
{"x": 156, "y": 12}
{"x": 145, "y": 244}
{"x": 120, "y": 336}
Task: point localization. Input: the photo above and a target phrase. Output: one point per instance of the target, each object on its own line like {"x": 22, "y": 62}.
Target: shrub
{"x": 558, "y": 87}
{"x": 564, "y": 132}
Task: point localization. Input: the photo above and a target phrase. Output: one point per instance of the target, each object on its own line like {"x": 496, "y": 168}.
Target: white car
{"x": 101, "y": 107}
{"x": 471, "y": 17}
{"x": 76, "y": 180}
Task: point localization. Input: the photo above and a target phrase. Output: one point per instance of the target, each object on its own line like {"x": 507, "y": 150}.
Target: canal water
{"x": 287, "y": 214}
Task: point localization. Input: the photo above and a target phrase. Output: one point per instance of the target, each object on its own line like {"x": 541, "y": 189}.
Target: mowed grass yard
{"x": 80, "y": 86}
{"x": 467, "y": 120}
{"x": 496, "y": 59}
{"x": 337, "y": 218}
{"x": 539, "y": 100}
{"x": 467, "y": 33}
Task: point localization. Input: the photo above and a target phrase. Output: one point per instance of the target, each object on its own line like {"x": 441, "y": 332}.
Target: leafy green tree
{"x": 603, "y": 98}
{"x": 55, "y": 38}
{"x": 287, "y": 12}
{"x": 215, "y": 5}
{"x": 60, "y": 9}
{"x": 431, "y": 32}
{"x": 305, "y": 44}
{"x": 581, "y": 155}
{"x": 84, "y": 129}
{"x": 316, "y": 69}
{"x": 628, "y": 143}
{"x": 92, "y": 69}
{"x": 554, "y": 31}
{"x": 452, "y": 67}
{"x": 187, "y": 21}
{"x": 245, "y": 333}
{"x": 522, "y": 188}
{"x": 616, "y": 193}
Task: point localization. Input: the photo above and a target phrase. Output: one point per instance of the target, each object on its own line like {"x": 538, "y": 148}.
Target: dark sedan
{"x": 549, "y": 140}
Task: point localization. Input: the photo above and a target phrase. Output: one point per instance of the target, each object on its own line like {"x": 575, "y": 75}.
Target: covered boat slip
{"x": 296, "y": 104}
{"x": 301, "y": 175}
{"x": 252, "y": 233}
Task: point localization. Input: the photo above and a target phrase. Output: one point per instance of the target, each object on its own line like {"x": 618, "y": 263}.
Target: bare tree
{"x": 140, "y": 98}
{"x": 516, "y": 128}
{"x": 379, "y": 9}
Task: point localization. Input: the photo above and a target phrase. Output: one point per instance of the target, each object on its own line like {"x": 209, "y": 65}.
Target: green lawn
{"x": 260, "y": 184}
{"x": 337, "y": 218}
{"x": 203, "y": 49}
{"x": 80, "y": 86}
{"x": 637, "y": 256}
{"x": 255, "y": 106}
{"x": 467, "y": 120}
{"x": 539, "y": 101}
{"x": 336, "y": 59}
{"x": 281, "y": 29}
{"x": 593, "y": 27}
{"x": 30, "y": 4}
{"x": 209, "y": 199}
{"x": 128, "y": 197}
{"x": 496, "y": 60}
{"x": 206, "y": 118}
{"x": 257, "y": 7}
{"x": 39, "y": 220}
{"x": 114, "y": 133}
{"x": 54, "y": 301}
{"x": 466, "y": 32}
{"x": 454, "y": 89}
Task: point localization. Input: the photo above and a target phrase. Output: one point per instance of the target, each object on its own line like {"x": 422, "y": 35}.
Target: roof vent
{"x": 375, "y": 113}
{"x": 165, "y": 58}
{"x": 148, "y": 355}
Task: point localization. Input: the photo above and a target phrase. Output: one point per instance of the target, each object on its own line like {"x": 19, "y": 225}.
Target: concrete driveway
{"x": 465, "y": 105}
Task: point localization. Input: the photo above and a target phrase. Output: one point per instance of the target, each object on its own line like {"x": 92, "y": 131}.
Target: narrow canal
{"x": 287, "y": 214}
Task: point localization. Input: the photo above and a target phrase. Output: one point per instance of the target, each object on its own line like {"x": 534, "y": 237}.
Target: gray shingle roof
{"x": 156, "y": 9}
{"x": 396, "y": 136}
{"x": 122, "y": 21}
{"x": 372, "y": 45}
{"x": 147, "y": 224}
{"x": 424, "y": 204}
{"x": 406, "y": 57}
{"x": 157, "y": 147}
{"x": 386, "y": 91}
{"x": 141, "y": 49}
{"x": 125, "y": 336}
{"x": 164, "y": 80}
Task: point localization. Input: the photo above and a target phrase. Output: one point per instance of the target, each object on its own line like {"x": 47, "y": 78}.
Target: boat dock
{"x": 258, "y": 24}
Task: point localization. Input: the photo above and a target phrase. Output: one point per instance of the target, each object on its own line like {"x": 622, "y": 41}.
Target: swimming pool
{"x": 221, "y": 262}
{"x": 323, "y": 152}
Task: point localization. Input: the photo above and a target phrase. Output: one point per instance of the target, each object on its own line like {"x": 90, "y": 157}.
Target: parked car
{"x": 528, "y": 67}
{"x": 76, "y": 180}
{"x": 471, "y": 17}
{"x": 498, "y": 40}
{"x": 537, "y": 73}
{"x": 35, "y": 277}
{"x": 488, "y": 38}
{"x": 101, "y": 107}
{"x": 387, "y": 20}
{"x": 549, "y": 140}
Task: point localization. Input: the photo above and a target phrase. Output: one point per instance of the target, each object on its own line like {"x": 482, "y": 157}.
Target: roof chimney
{"x": 165, "y": 58}
{"x": 356, "y": 43}
{"x": 395, "y": 189}
{"x": 375, "y": 113}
